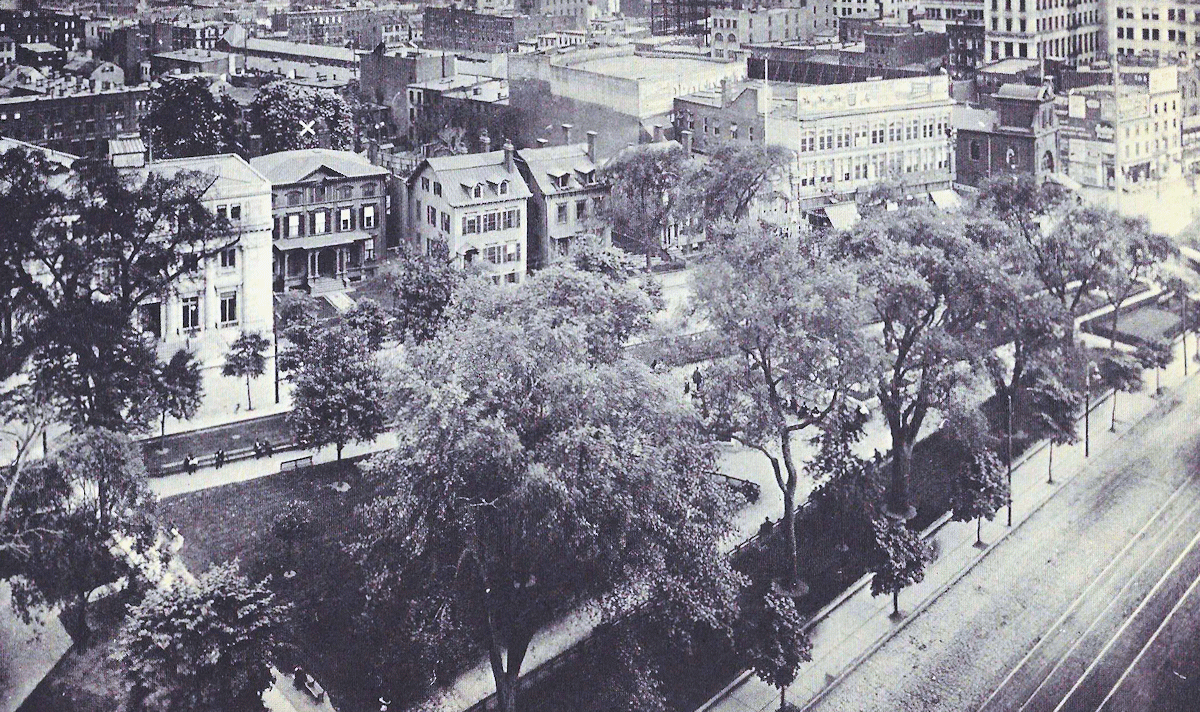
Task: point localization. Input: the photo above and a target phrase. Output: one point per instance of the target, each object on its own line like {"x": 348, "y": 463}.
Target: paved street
{"x": 1053, "y": 616}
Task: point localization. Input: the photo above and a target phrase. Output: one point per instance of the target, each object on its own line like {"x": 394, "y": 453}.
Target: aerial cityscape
{"x": 599, "y": 356}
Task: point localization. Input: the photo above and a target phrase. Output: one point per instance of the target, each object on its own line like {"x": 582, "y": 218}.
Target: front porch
{"x": 320, "y": 264}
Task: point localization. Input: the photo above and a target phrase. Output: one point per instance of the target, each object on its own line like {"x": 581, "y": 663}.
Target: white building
{"x": 1040, "y": 29}
{"x": 229, "y": 293}
{"x": 475, "y": 204}
{"x": 729, "y": 29}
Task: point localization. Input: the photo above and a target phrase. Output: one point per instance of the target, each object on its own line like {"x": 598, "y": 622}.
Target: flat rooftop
{"x": 635, "y": 67}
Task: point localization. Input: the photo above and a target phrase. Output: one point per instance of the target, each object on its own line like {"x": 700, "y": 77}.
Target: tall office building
{"x": 1067, "y": 30}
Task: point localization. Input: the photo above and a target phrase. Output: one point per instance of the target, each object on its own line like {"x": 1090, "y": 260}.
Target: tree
{"x": 1055, "y": 408}
{"x": 776, "y": 643}
{"x": 370, "y": 319}
{"x": 846, "y": 494}
{"x": 531, "y": 475}
{"x": 178, "y": 388}
{"x": 1157, "y": 354}
{"x": 791, "y": 314}
{"x": 422, "y": 287}
{"x": 649, "y": 194}
{"x": 589, "y": 254}
{"x": 899, "y": 560}
{"x": 738, "y": 173}
{"x": 1138, "y": 251}
{"x": 930, "y": 287}
{"x": 246, "y": 359}
{"x": 980, "y": 490}
{"x": 449, "y": 141}
{"x": 186, "y": 119}
{"x": 297, "y": 321}
{"x": 1122, "y": 373}
{"x": 293, "y": 524}
{"x": 336, "y": 393}
{"x": 93, "y": 502}
{"x": 291, "y": 117}
{"x": 202, "y": 644}
{"x": 25, "y": 414}
{"x": 102, "y": 246}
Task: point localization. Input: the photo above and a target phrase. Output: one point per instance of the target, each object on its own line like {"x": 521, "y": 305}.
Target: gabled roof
{"x": 971, "y": 119}
{"x": 297, "y": 49}
{"x": 288, "y": 167}
{"x": 233, "y": 176}
{"x": 459, "y": 174}
{"x": 571, "y": 160}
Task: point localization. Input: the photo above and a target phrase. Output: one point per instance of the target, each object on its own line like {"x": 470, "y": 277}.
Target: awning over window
{"x": 316, "y": 242}
{"x": 842, "y": 216}
{"x": 945, "y": 199}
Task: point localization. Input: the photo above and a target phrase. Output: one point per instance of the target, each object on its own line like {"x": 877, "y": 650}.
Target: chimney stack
{"x": 567, "y": 133}
{"x": 591, "y": 146}
{"x": 485, "y": 142}
{"x": 686, "y": 135}
{"x": 658, "y": 133}
{"x": 541, "y": 142}
{"x": 508, "y": 156}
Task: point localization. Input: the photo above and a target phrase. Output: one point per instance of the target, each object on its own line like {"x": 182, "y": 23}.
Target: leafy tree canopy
{"x": 282, "y": 110}
{"x": 186, "y": 119}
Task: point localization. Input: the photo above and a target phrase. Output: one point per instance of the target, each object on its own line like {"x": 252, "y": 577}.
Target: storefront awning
{"x": 945, "y": 199}
{"x": 316, "y": 242}
{"x": 842, "y": 216}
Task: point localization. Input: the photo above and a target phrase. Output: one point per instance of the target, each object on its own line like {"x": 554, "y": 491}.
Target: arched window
{"x": 503, "y": 187}
{"x": 478, "y": 190}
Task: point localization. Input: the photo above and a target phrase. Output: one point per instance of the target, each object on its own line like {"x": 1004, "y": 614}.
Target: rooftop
{"x": 40, "y": 47}
{"x": 1012, "y": 65}
{"x": 1024, "y": 91}
{"x": 638, "y": 67}
{"x": 471, "y": 169}
{"x": 569, "y": 160}
{"x": 297, "y": 49}
{"x": 233, "y": 176}
{"x": 193, "y": 55}
{"x": 971, "y": 119}
{"x": 288, "y": 167}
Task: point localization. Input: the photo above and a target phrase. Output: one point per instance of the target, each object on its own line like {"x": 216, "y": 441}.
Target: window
{"x": 229, "y": 312}
{"x": 511, "y": 278}
{"x": 437, "y": 188}
{"x": 345, "y": 219}
{"x": 975, "y": 152}
{"x": 512, "y": 218}
{"x": 581, "y": 207}
{"x": 470, "y": 225}
{"x": 494, "y": 254}
{"x": 191, "y": 312}
{"x": 368, "y": 189}
{"x": 503, "y": 187}
{"x": 346, "y": 192}
{"x": 431, "y": 216}
{"x": 235, "y": 212}
{"x": 512, "y": 252}
{"x": 369, "y": 251}
{"x": 292, "y": 227}
{"x": 293, "y": 198}
{"x": 229, "y": 257}
{"x": 425, "y": 184}
{"x": 368, "y": 216}
{"x": 222, "y": 211}
{"x": 445, "y": 222}
{"x": 319, "y": 222}
{"x": 478, "y": 190}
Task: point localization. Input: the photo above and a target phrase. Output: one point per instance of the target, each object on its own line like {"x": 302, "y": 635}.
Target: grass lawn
{"x": 234, "y": 521}
{"x": 1148, "y": 323}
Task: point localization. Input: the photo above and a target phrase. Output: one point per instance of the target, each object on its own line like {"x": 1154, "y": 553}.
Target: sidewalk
{"x": 852, "y": 627}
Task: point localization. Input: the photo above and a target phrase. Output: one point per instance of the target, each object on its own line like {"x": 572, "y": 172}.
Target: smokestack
{"x": 658, "y": 133}
{"x": 591, "y": 146}
{"x": 508, "y": 156}
{"x": 567, "y": 133}
{"x": 686, "y": 135}
{"x": 541, "y": 142}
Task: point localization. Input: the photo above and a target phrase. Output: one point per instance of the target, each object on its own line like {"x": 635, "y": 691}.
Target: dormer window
{"x": 587, "y": 177}
{"x": 503, "y": 187}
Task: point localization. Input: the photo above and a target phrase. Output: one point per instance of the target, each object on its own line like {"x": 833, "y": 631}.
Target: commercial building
{"x": 1113, "y": 136}
{"x": 41, "y": 54}
{"x": 965, "y": 46}
{"x": 449, "y": 28}
{"x": 194, "y": 61}
{"x": 361, "y": 27}
{"x": 475, "y": 205}
{"x": 1157, "y": 29}
{"x": 827, "y": 64}
{"x": 387, "y": 74}
{"x": 890, "y": 45}
{"x": 567, "y": 198}
{"x": 1189, "y": 119}
{"x": 1019, "y": 136}
{"x": 74, "y": 121}
{"x": 330, "y": 211}
{"x": 1071, "y": 32}
{"x": 61, "y": 29}
{"x": 845, "y": 136}
{"x": 290, "y": 59}
{"x": 731, "y": 28}
{"x": 954, "y": 10}
{"x": 682, "y": 17}
{"x": 229, "y": 293}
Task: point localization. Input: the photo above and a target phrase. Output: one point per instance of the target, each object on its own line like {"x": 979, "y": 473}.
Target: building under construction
{"x": 681, "y": 17}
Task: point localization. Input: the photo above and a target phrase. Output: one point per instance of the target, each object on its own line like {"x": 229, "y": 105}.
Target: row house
{"x": 79, "y": 122}
{"x": 567, "y": 198}
{"x": 475, "y": 205}
{"x": 330, "y": 221}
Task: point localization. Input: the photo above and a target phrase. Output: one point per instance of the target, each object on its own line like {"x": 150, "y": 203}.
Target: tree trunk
{"x": 979, "y": 530}
{"x": 506, "y": 692}
{"x": 1113, "y": 428}
{"x": 339, "y": 451}
{"x": 85, "y": 634}
{"x": 249, "y": 403}
{"x": 783, "y": 698}
{"x": 1050, "y": 467}
{"x": 1157, "y": 381}
{"x": 898, "y": 497}
{"x": 1112, "y": 340}
{"x": 896, "y": 602}
{"x": 789, "y": 509}
{"x": 163, "y": 433}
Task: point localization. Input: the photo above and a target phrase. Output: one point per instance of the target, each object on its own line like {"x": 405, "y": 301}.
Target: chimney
{"x": 541, "y": 142}
{"x": 724, "y": 93}
{"x": 567, "y": 133}
{"x": 485, "y": 142}
{"x": 591, "y": 146}
{"x": 508, "y": 156}
{"x": 686, "y": 135}
{"x": 658, "y": 133}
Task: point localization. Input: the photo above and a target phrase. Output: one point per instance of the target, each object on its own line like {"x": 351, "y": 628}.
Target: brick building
{"x": 63, "y": 30}
{"x": 449, "y": 28}
{"x": 78, "y": 122}
{"x": 386, "y": 76}
{"x": 360, "y": 27}
{"x": 1019, "y": 136}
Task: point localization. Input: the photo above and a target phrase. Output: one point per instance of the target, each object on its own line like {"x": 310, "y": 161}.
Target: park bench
{"x": 296, "y": 464}
{"x": 307, "y": 683}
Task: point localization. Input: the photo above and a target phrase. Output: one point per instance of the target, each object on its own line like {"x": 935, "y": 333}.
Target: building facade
{"x": 1131, "y": 133}
{"x": 449, "y": 28}
{"x": 229, "y": 293}
{"x": 1019, "y": 136}
{"x": 965, "y": 46}
{"x": 1071, "y": 31}
{"x": 330, "y": 221}
{"x": 63, "y": 30}
{"x": 567, "y": 198}
{"x": 731, "y": 28}
{"x": 1158, "y": 29}
{"x": 80, "y": 123}
{"x": 386, "y": 76}
{"x": 476, "y": 205}
{"x": 359, "y": 27}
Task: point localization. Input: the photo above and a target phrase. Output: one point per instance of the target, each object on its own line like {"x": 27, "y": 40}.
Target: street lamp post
{"x": 1009, "y": 456}
{"x": 1087, "y": 409}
